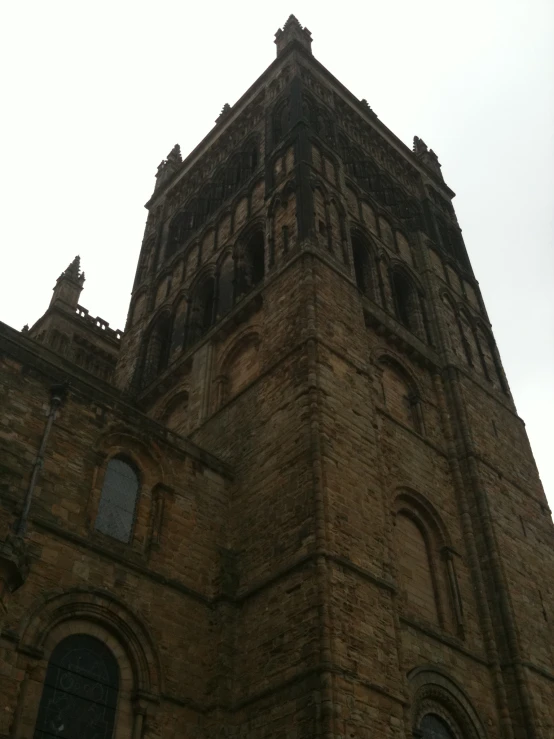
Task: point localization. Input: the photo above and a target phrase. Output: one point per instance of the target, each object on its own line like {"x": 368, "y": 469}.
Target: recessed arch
{"x": 281, "y": 118}
{"x": 225, "y": 297}
{"x": 435, "y": 692}
{"x": 407, "y": 298}
{"x": 363, "y": 259}
{"x": 409, "y": 500}
{"x": 400, "y": 392}
{"x": 250, "y": 258}
{"x": 138, "y": 306}
{"x": 175, "y": 412}
{"x": 414, "y": 567}
{"x": 120, "y": 440}
{"x": 239, "y": 364}
{"x": 425, "y": 561}
{"x": 158, "y": 345}
{"x": 101, "y": 607}
{"x": 202, "y": 310}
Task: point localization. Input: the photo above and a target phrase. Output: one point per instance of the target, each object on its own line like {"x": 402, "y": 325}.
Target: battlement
{"x": 98, "y": 324}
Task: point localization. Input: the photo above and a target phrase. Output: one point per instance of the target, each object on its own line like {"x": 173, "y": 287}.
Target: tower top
{"x": 69, "y": 285}
{"x": 427, "y": 156}
{"x": 293, "y": 31}
{"x": 73, "y": 272}
{"x": 169, "y": 166}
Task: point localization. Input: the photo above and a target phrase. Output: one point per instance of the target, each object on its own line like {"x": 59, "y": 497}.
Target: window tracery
{"x": 380, "y": 185}
{"x": 198, "y": 209}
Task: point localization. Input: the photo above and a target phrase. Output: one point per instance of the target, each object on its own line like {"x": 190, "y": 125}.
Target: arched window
{"x": 281, "y": 121}
{"x": 253, "y": 156}
{"x": 79, "y": 697}
{"x": 434, "y": 727}
{"x": 157, "y": 350}
{"x": 144, "y": 260}
{"x": 240, "y": 368}
{"x": 233, "y": 175}
{"x": 249, "y": 159}
{"x": 225, "y": 286}
{"x": 116, "y": 511}
{"x": 485, "y": 344}
{"x": 181, "y": 227}
{"x": 251, "y": 264}
{"x": 440, "y": 707}
{"x": 217, "y": 193}
{"x": 406, "y": 303}
{"x": 414, "y": 568}
{"x": 202, "y": 311}
{"x": 400, "y": 396}
{"x": 362, "y": 266}
{"x": 426, "y": 566}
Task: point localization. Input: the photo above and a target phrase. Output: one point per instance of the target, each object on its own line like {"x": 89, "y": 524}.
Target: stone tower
{"x": 340, "y": 531}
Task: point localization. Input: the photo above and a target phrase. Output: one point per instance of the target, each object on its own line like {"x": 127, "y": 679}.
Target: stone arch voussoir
{"x": 433, "y": 687}
{"x": 98, "y": 607}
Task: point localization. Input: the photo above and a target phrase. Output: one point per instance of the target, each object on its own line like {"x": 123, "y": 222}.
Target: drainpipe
{"x": 57, "y": 396}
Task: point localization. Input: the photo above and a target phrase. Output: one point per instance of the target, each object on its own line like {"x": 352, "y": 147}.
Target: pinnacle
{"x": 175, "y": 154}
{"x": 74, "y": 270}
{"x": 292, "y": 20}
{"x": 293, "y": 31}
{"x": 75, "y": 267}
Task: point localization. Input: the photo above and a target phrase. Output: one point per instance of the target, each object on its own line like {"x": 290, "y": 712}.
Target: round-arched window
{"x": 116, "y": 511}
{"x": 434, "y": 727}
{"x": 79, "y": 697}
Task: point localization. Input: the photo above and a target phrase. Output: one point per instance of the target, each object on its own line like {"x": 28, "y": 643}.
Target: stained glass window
{"x": 116, "y": 511}
{"x": 79, "y": 697}
{"x": 433, "y": 727}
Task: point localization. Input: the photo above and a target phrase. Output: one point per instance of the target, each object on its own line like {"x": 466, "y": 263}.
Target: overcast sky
{"x": 95, "y": 94}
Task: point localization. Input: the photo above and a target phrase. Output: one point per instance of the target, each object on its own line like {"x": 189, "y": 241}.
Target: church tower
{"x": 336, "y": 527}
{"x": 304, "y": 307}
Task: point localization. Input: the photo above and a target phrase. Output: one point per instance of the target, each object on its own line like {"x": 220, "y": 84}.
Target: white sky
{"x": 95, "y": 94}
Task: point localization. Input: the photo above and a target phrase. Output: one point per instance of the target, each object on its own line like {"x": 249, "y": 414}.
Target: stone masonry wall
{"x": 161, "y": 584}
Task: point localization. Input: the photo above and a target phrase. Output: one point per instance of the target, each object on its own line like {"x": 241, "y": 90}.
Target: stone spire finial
{"x": 175, "y": 155}
{"x": 427, "y": 156}
{"x": 293, "y": 31}
{"x": 224, "y": 113}
{"x": 368, "y": 108}
{"x": 292, "y": 20}
{"x": 69, "y": 285}
{"x": 73, "y": 271}
{"x": 168, "y": 167}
